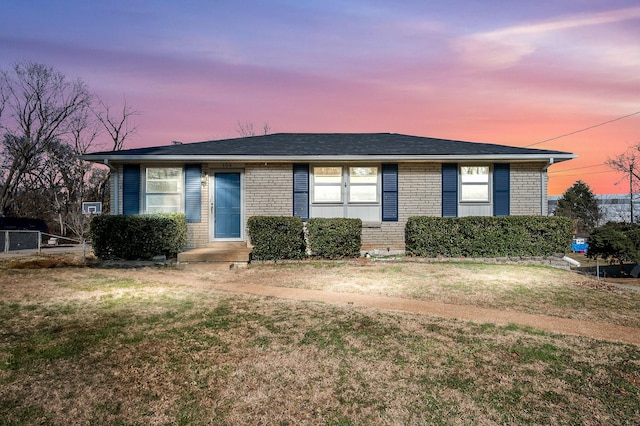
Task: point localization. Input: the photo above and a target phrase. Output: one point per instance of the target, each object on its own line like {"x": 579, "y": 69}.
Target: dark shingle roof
{"x": 282, "y": 146}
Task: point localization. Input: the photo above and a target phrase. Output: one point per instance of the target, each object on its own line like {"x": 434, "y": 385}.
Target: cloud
{"x": 505, "y": 47}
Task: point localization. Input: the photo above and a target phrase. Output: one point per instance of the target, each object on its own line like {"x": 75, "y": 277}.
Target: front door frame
{"x": 212, "y": 207}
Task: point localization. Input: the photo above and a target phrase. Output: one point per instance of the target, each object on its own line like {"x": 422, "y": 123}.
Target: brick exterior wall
{"x": 528, "y": 185}
{"x": 419, "y": 189}
{"x": 268, "y": 192}
{"x": 198, "y": 233}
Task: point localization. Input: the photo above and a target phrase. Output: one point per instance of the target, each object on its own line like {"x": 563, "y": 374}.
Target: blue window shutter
{"x": 192, "y": 193}
{"x": 450, "y": 190}
{"x": 501, "y": 189}
{"x": 389, "y": 192}
{"x": 131, "y": 189}
{"x": 301, "y": 191}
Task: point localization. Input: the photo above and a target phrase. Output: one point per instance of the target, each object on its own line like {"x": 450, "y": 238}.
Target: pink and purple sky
{"x": 506, "y": 72}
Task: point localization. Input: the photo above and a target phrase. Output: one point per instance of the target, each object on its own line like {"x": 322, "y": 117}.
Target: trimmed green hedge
{"x": 335, "y": 238}
{"x": 282, "y": 237}
{"x": 488, "y": 236}
{"x": 138, "y": 237}
{"x": 276, "y": 237}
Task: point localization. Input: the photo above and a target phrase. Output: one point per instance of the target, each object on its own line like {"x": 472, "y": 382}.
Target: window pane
{"x": 327, "y": 174}
{"x": 163, "y": 203}
{"x": 363, "y": 193}
{"x": 164, "y": 179}
{"x": 163, "y": 210}
{"x": 474, "y": 174}
{"x": 162, "y": 186}
{"x": 327, "y": 193}
{"x": 474, "y": 193}
{"x": 363, "y": 174}
{"x": 155, "y": 173}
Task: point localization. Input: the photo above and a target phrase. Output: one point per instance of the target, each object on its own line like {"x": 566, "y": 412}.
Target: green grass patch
{"x": 100, "y": 281}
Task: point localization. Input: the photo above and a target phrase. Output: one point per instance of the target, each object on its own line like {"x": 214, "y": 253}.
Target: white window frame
{"x": 345, "y": 185}
{"x": 339, "y": 185}
{"x": 149, "y": 193}
{"x": 353, "y": 184}
{"x": 476, "y": 184}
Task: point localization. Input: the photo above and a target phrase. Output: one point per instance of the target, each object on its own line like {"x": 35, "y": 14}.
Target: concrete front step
{"x": 227, "y": 245}
{"x": 216, "y": 255}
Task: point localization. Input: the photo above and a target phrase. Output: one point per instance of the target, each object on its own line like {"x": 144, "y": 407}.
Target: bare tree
{"x": 38, "y": 106}
{"x": 628, "y": 163}
{"x": 67, "y": 183}
{"x": 3, "y": 96}
{"x": 83, "y": 131}
{"x": 120, "y": 125}
{"x": 46, "y": 122}
{"x": 246, "y": 129}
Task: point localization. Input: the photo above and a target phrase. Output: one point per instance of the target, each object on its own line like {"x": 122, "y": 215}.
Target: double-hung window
{"x": 346, "y": 191}
{"x": 474, "y": 184}
{"x": 163, "y": 190}
{"x": 363, "y": 184}
{"x": 327, "y": 184}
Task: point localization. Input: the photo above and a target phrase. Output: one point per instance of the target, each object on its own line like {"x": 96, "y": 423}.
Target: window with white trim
{"x": 474, "y": 184}
{"x": 351, "y": 191}
{"x": 327, "y": 184}
{"x": 363, "y": 184}
{"x": 163, "y": 190}
{"x": 360, "y": 184}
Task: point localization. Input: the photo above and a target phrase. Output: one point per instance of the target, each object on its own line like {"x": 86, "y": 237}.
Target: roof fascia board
{"x": 359, "y": 158}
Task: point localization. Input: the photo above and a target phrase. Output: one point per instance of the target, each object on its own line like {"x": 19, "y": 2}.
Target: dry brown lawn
{"x": 521, "y": 288}
{"x": 166, "y": 346}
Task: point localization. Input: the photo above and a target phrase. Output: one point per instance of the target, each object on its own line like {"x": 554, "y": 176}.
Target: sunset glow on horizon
{"x": 511, "y": 73}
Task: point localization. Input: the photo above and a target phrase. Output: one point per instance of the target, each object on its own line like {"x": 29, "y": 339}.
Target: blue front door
{"x": 227, "y": 206}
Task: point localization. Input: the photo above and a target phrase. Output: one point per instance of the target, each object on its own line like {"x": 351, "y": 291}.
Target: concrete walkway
{"x": 600, "y": 331}
{"x": 625, "y": 286}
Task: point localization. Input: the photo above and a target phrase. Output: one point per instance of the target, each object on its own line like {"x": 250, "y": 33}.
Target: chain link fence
{"x": 19, "y": 240}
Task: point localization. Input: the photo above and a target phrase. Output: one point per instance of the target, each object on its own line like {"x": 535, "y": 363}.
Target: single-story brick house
{"x": 381, "y": 178}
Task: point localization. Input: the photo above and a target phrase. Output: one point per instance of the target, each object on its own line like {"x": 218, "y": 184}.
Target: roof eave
{"x": 556, "y": 158}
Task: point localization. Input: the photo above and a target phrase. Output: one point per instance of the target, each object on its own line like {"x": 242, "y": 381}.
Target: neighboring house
{"x": 381, "y": 178}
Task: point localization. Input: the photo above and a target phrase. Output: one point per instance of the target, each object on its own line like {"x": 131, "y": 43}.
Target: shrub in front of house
{"x": 138, "y": 237}
{"x": 487, "y": 236}
{"x": 276, "y": 237}
{"x": 335, "y": 238}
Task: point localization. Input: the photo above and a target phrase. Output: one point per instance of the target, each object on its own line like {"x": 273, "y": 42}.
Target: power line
{"x": 583, "y": 130}
{"x": 578, "y": 168}
{"x": 584, "y": 174}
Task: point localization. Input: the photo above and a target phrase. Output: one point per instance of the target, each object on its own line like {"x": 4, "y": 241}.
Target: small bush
{"x": 138, "y": 237}
{"x": 335, "y": 238}
{"x": 488, "y": 236}
{"x": 276, "y": 237}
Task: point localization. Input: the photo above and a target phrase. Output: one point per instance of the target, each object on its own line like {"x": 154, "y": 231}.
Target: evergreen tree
{"x": 579, "y": 203}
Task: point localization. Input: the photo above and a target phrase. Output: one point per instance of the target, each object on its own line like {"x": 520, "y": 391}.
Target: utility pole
{"x": 631, "y": 190}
